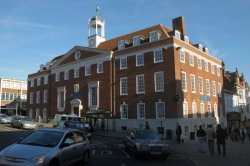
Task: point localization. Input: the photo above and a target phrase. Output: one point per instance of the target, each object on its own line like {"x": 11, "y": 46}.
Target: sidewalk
{"x": 238, "y": 154}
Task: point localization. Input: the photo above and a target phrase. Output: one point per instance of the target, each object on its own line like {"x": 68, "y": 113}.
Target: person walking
{"x": 221, "y": 140}
{"x": 178, "y": 133}
{"x": 201, "y": 134}
{"x": 210, "y": 138}
{"x": 242, "y": 134}
{"x": 147, "y": 127}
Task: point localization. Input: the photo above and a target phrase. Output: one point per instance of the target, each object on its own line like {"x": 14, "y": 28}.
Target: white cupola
{"x": 96, "y": 30}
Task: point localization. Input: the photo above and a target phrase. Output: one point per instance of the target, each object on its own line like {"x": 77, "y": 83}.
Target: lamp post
{"x": 16, "y": 107}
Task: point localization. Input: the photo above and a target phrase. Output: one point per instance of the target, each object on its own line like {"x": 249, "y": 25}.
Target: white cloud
{"x": 8, "y": 23}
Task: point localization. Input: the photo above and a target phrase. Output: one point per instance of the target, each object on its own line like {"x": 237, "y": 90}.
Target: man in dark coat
{"x": 221, "y": 139}
{"x": 178, "y": 133}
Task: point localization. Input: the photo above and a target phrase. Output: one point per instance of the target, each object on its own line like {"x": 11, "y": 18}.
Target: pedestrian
{"x": 221, "y": 140}
{"x": 210, "y": 139}
{"x": 102, "y": 125}
{"x": 201, "y": 134}
{"x": 178, "y": 133}
{"x": 242, "y": 134}
{"x": 248, "y": 133}
{"x": 147, "y": 127}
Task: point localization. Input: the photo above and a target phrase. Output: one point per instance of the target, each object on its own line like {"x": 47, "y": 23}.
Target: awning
{"x": 96, "y": 113}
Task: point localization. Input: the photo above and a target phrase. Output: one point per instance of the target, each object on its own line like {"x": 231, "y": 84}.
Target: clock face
{"x": 92, "y": 42}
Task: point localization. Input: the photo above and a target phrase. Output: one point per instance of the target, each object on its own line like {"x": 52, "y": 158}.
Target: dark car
{"x": 48, "y": 146}
{"x": 80, "y": 126}
{"x": 146, "y": 142}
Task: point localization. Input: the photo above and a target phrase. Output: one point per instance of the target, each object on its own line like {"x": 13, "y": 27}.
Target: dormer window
{"x": 186, "y": 39}
{"x": 136, "y": 40}
{"x": 154, "y": 36}
{"x": 206, "y": 50}
{"x": 177, "y": 34}
{"x": 200, "y": 46}
{"x": 121, "y": 44}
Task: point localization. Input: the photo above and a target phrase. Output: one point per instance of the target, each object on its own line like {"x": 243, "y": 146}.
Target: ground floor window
{"x": 124, "y": 111}
{"x": 37, "y": 113}
{"x": 141, "y": 111}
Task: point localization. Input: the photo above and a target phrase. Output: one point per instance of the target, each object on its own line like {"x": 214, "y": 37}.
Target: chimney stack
{"x": 179, "y": 24}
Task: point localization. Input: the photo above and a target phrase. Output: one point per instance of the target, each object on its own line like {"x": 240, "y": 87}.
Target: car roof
{"x": 60, "y": 129}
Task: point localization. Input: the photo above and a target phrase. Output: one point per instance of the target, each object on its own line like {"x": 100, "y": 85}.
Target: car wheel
{"x": 54, "y": 162}
{"x": 85, "y": 157}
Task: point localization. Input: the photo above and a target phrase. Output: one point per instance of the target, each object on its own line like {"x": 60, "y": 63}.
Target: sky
{"x": 33, "y": 32}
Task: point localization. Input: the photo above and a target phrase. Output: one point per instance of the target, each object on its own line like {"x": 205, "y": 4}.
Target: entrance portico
{"x": 76, "y": 106}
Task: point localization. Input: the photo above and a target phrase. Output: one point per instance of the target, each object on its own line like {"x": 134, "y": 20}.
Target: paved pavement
{"x": 238, "y": 154}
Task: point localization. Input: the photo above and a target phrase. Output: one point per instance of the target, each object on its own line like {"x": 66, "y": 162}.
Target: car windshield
{"x": 146, "y": 135}
{"x": 43, "y": 138}
{"x": 26, "y": 118}
{"x": 3, "y": 116}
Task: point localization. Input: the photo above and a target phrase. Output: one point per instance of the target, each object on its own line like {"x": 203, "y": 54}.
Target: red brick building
{"x": 155, "y": 74}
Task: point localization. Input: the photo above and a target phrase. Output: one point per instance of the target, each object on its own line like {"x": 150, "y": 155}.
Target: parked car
{"x": 4, "y": 118}
{"x": 146, "y": 142}
{"x": 48, "y": 146}
{"x": 23, "y": 122}
{"x": 80, "y": 126}
{"x": 59, "y": 119}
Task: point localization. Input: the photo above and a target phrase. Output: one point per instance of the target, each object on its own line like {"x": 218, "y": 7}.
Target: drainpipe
{"x": 0, "y": 95}
{"x": 113, "y": 82}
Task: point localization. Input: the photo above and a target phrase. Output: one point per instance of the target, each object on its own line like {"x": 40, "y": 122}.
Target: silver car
{"x": 146, "y": 142}
{"x": 23, "y": 122}
{"x": 48, "y": 146}
{"x": 4, "y": 118}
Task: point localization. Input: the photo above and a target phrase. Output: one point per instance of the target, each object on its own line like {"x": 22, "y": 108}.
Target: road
{"x": 105, "y": 150}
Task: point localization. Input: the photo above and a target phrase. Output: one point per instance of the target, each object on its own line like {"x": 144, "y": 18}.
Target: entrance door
{"x": 76, "y": 110}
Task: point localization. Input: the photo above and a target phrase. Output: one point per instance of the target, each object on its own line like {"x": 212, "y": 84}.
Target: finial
{"x": 97, "y": 10}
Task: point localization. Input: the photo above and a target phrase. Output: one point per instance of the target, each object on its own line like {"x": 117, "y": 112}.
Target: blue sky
{"x": 32, "y": 32}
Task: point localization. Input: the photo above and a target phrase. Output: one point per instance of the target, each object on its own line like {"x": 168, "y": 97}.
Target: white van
{"x": 59, "y": 119}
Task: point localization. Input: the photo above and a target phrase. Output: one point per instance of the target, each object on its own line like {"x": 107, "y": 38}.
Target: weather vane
{"x": 97, "y": 9}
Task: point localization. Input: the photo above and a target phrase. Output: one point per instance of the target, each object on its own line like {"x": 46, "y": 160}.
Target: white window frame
{"x": 87, "y": 70}
{"x": 185, "y": 109}
{"x": 212, "y": 68}
{"x": 206, "y": 66}
{"x": 45, "y": 79}
{"x": 136, "y": 40}
{"x": 121, "y": 44}
{"x": 199, "y": 61}
{"x": 140, "y": 59}
{"x": 200, "y": 85}
{"x": 37, "y": 97}
{"x": 202, "y": 110}
{"x": 192, "y": 83}
{"x": 38, "y": 81}
{"x": 194, "y": 109}
{"x": 91, "y": 105}
{"x": 158, "y": 57}
{"x": 37, "y": 113}
{"x": 209, "y": 110}
{"x": 100, "y": 67}
{"x": 140, "y": 110}
{"x": 160, "y": 105}
{"x": 177, "y": 34}
{"x": 66, "y": 75}
{"x": 45, "y": 96}
{"x": 123, "y": 86}
{"x": 219, "y": 89}
{"x": 123, "y": 63}
{"x": 76, "y": 72}
{"x": 184, "y": 82}
{"x": 214, "y": 88}
{"x": 57, "y": 76}
{"x": 154, "y": 36}
{"x": 140, "y": 89}
{"x": 31, "y": 82}
{"x": 124, "y": 110}
{"x": 191, "y": 59}
{"x": 182, "y": 56}
{"x": 215, "y": 108}
{"x": 207, "y": 87}
{"x": 61, "y": 99}
{"x": 218, "y": 71}
{"x": 159, "y": 81}
{"x": 31, "y": 97}
{"x": 186, "y": 39}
